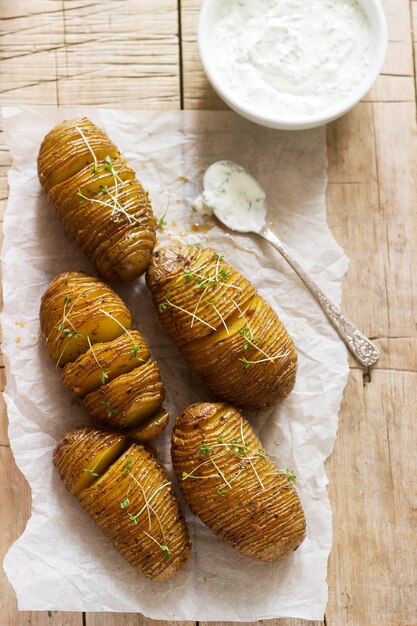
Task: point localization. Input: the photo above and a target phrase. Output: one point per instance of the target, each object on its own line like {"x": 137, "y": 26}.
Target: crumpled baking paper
{"x": 62, "y": 561}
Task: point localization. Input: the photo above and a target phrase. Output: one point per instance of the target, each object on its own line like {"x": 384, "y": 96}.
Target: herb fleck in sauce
{"x": 234, "y": 196}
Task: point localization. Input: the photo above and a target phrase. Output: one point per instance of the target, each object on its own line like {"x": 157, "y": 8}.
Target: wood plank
{"x": 88, "y": 53}
{"x": 268, "y": 622}
{"x": 392, "y": 89}
{"x": 198, "y": 94}
{"x": 127, "y": 619}
{"x": 371, "y": 212}
{"x": 399, "y": 59}
{"x": 14, "y": 512}
{"x": 4, "y": 439}
{"x": 373, "y": 565}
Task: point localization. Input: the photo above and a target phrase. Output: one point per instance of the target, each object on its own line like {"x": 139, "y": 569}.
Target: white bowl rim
{"x": 380, "y": 33}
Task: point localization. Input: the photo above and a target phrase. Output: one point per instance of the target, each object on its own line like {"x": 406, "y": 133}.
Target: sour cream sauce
{"x": 233, "y": 196}
{"x": 291, "y": 57}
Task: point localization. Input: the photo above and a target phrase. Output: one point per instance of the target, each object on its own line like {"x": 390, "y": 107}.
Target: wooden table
{"x": 142, "y": 54}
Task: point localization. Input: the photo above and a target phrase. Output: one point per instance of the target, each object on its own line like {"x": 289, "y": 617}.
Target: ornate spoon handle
{"x": 360, "y": 346}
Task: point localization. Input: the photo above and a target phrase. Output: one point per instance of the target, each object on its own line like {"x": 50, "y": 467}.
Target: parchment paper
{"x": 62, "y": 561}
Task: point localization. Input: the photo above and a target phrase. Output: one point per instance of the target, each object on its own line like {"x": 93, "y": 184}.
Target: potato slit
{"x": 99, "y": 465}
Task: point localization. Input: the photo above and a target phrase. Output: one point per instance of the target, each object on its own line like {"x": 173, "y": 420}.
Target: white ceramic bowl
{"x": 376, "y": 18}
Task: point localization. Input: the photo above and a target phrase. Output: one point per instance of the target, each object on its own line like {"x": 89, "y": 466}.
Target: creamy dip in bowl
{"x": 292, "y": 63}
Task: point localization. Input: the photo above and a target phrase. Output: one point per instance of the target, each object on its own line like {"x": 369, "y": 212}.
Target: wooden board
{"x": 142, "y": 54}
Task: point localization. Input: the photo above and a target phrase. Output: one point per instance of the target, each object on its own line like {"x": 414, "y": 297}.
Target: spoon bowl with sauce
{"x": 238, "y": 201}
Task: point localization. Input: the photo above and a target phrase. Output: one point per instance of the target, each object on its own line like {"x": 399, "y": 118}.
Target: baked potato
{"x": 87, "y": 330}
{"x": 98, "y": 198}
{"x": 128, "y": 494}
{"x": 233, "y": 486}
{"x": 226, "y": 331}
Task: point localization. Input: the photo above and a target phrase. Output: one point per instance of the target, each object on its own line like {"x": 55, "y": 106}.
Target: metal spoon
{"x": 239, "y": 203}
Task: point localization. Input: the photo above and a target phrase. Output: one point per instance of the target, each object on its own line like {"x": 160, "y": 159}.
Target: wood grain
{"x": 14, "y": 512}
{"x": 127, "y": 54}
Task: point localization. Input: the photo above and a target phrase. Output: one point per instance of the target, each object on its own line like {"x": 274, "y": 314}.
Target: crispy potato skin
{"x": 87, "y": 329}
{"x": 151, "y": 428}
{"x": 125, "y": 394}
{"x": 239, "y": 494}
{"x": 156, "y": 543}
{"x": 227, "y": 333}
{"x": 83, "y": 375}
{"x": 108, "y": 214}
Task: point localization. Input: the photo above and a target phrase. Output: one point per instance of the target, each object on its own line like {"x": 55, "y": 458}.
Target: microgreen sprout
{"x": 113, "y": 204}
{"x": 103, "y": 375}
{"x": 239, "y": 448}
{"x": 91, "y": 471}
{"x": 188, "y": 275}
{"x": 251, "y": 341}
{"x": 166, "y": 552}
{"x": 127, "y": 468}
{"x": 203, "y": 450}
{"x": 110, "y": 410}
{"x": 205, "y": 280}
{"x": 133, "y": 518}
{"x": 134, "y": 353}
{"x": 213, "y": 305}
{"x": 94, "y": 168}
{"x": 66, "y": 328}
{"x": 108, "y": 164}
{"x": 161, "y": 222}
{"x": 169, "y": 303}
{"x": 135, "y": 346}
{"x": 147, "y": 506}
{"x": 290, "y": 474}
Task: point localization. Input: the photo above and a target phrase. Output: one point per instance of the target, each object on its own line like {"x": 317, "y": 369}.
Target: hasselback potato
{"x": 226, "y": 331}
{"x": 98, "y": 198}
{"x": 129, "y": 496}
{"x": 87, "y": 330}
{"x": 230, "y": 482}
